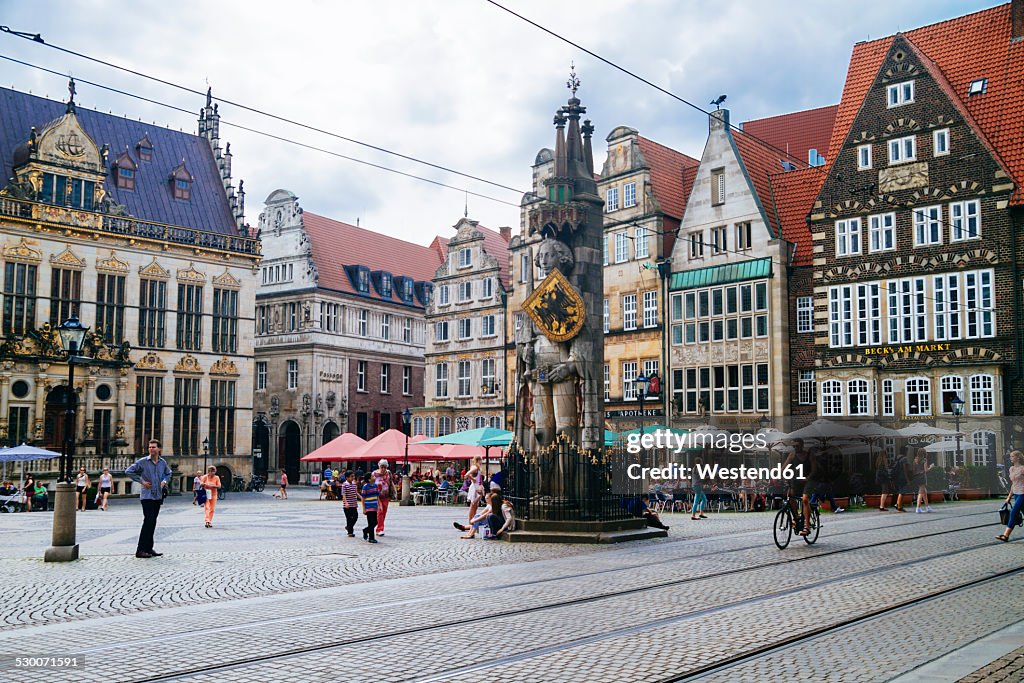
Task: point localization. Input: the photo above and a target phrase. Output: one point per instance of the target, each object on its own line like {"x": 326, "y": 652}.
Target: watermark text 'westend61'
{"x": 663, "y": 439}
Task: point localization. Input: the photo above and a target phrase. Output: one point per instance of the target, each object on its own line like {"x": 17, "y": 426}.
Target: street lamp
{"x": 764, "y": 421}
{"x": 640, "y": 383}
{"x": 406, "y": 481}
{"x": 958, "y": 409}
{"x": 63, "y": 547}
{"x": 206, "y": 452}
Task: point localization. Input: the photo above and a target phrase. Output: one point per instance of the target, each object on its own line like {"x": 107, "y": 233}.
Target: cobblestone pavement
{"x": 274, "y": 577}
{"x": 1008, "y": 668}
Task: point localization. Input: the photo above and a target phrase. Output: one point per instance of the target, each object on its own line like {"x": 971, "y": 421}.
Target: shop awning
{"x": 751, "y": 269}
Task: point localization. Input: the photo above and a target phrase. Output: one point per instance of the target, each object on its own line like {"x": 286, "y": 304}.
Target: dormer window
{"x": 900, "y": 93}
{"x": 385, "y": 285}
{"x": 181, "y": 182}
{"x": 124, "y": 170}
{"x": 144, "y": 149}
{"x": 465, "y": 258}
{"x": 407, "y": 289}
{"x": 423, "y": 292}
{"x": 363, "y": 280}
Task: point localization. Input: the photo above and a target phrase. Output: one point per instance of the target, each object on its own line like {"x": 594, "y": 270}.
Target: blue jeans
{"x": 1018, "y": 505}
{"x": 700, "y": 500}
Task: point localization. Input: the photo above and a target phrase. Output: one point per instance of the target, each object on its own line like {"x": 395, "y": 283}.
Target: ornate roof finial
{"x": 71, "y": 97}
{"x": 573, "y": 83}
{"x": 209, "y": 95}
{"x": 465, "y": 213}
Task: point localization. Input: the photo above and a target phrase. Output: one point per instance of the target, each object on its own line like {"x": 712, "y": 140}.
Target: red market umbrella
{"x": 391, "y": 446}
{"x": 337, "y": 449}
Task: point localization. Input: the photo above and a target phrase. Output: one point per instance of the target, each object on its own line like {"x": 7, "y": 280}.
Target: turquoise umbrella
{"x": 484, "y": 436}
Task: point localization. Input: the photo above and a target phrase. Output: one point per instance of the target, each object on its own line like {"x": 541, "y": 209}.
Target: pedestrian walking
{"x": 81, "y": 486}
{"x": 369, "y": 496}
{"x": 282, "y": 492}
{"x": 106, "y": 483}
{"x": 700, "y": 499}
{"x": 475, "y": 492}
{"x": 384, "y": 479}
{"x": 1016, "y": 494}
{"x": 883, "y": 479}
{"x": 903, "y": 480}
{"x": 154, "y": 474}
{"x": 197, "y": 488}
{"x": 350, "y": 503}
{"x": 30, "y": 486}
{"x": 920, "y": 471}
{"x": 211, "y": 484}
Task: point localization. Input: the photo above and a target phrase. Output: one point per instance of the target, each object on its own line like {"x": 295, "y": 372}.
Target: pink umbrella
{"x": 452, "y": 451}
{"x": 391, "y": 446}
{"x": 337, "y": 449}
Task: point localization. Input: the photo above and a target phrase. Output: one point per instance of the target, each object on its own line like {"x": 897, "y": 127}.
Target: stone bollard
{"x": 63, "y": 547}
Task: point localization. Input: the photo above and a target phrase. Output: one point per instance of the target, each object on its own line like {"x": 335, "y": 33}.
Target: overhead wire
{"x": 266, "y": 134}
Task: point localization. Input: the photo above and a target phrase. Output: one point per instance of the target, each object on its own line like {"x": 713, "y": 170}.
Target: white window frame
{"x": 465, "y": 329}
{"x": 487, "y": 288}
{"x": 848, "y": 233}
{"x": 805, "y": 393}
{"x": 831, "y": 393}
{"x": 629, "y": 195}
{"x": 965, "y": 220}
{"x": 949, "y": 384}
{"x": 488, "y": 376}
{"x": 261, "y": 375}
{"x": 744, "y": 236}
{"x": 465, "y": 379}
{"x": 293, "y": 374}
{"x": 465, "y": 257}
{"x": 902, "y": 150}
{"x": 868, "y": 313}
{"x": 488, "y": 326}
{"x": 898, "y": 94}
{"x": 385, "y": 326}
{"x": 406, "y": 380}
{"x": 443, "y": 295}
{"x": 921, "y": 388}
{"x": 804, "y": 314}
{"x": 361, "y": 375}
{"x": 629, "y": 369}
{"x": 407, "y": 330}
{"x": 441, "y": 331}
{"x": 888, "y": 397}
{"x": 621, "y": 247}
{"x": 629, "y": 311}
{"x": 858, "y": 392}
{"x": 983, "y": 394}
{"x": 385, "y": 378}
{"x": 718, "y": 187}
{"x": 641, "y": 242}
{"x": 881, "y": 232}
{"x": 863, "y": 157}
{"x": 720, "y": 239}
{"x": 940, "y": 139}
{"x": 441, "y": 380}
{"x": 604, "y": 250}
{"x": 607, "y": 382}
{"x": 524, "y": 267}
{"x": 611, "y": 202}
{"x": 927, "y": 225}
{"x": 696, "y": 239}
{"x": 651, "y": 309}
{"x": 607, "y": 317}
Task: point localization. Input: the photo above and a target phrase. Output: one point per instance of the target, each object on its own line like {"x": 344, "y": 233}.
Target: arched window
{"x": 832, "y": 397}
{"x": 444, "y": 426}
{"x": 984, "y": 446}
{"x": 951, "y": 386}
{"x": 859, "y": 397}
{"x": 480, "y": 422}
{"x": 982, "y": 395}
{"x": 919, "y": 396}
{"x": 417, "y": 425}
{"x": 496, "y": 422}
{"x": 428, "y": 427}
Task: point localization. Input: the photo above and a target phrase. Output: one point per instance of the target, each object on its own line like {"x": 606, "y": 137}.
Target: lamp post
{"x": 958, "y": 409}
{"x": 640, "y": 383}
{"x": 63, "y": 547}
{"x": 406, "y": 481}
{"x": 206, "y": 452}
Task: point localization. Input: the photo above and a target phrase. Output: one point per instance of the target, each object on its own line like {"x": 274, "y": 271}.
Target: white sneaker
{"x": 918, "y": 510}
{"x": 838, "y": 510}
{"x": 929, "y": 509}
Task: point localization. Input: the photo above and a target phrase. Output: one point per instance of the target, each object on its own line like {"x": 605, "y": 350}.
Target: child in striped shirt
{"x": 350, "y": 503}
{"x": 370, "y": 494}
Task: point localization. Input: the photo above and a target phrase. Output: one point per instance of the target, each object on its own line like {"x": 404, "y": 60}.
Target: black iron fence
{"x": 565, "y": 483}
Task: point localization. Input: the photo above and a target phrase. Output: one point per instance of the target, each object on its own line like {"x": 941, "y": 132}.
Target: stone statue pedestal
{"x": 62, "y": 544}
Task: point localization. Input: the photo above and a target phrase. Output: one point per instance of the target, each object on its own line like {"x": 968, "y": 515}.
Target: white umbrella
{"x": 772, "y": 435}
{"x": 823, "y": 429}
{"x": 947, "y": 445}
{"x": 872, "y": 430}
{"x": 922, "y": 429}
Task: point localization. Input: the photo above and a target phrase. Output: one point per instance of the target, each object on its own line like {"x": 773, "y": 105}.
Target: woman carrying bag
{"x": 1016, "y": 494}
{"x": 211, "y": 485}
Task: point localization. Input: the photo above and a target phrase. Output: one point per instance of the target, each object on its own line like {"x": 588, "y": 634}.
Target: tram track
{"x": 323, "y": 647}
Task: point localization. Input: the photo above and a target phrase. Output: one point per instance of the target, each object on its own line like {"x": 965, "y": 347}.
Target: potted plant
{"x": 974, "y": 479}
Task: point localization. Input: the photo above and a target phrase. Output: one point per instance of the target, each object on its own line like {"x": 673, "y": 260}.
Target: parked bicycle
{"x": 256, "y": 484}
{"x": 787, "y": 522}
{"x": 238, "y": 484}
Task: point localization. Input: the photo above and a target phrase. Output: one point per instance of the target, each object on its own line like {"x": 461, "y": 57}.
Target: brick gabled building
{"x": 916, "y": 294}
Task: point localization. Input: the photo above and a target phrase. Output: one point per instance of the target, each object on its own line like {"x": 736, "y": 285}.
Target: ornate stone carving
{"x": 22, "y": 251}
{"x": 154, "y": 271}
{"x": 190, "y": 274}
{"x": 189, "y": 364}
{"x": 904, "y": 177}
{"x": 112, "y": 264}
{"x": 226, "y": 279}
{"x": 224, "y": 366}
{"x": 67, "y": 259}
{"x": 151, "y": 361}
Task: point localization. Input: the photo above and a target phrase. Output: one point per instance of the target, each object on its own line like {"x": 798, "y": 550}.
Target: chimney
{"x": 1016, "y": 19}
{"x": 505, "y": 232}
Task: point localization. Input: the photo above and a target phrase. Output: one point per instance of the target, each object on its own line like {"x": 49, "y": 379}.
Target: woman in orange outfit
{"x": 211, "y": 482}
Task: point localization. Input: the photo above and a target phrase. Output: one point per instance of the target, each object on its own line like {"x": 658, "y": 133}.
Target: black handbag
{"x": 1004, "y": 516}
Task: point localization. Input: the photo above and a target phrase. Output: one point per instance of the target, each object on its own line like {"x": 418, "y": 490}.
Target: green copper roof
{"x": 720, "y": 275}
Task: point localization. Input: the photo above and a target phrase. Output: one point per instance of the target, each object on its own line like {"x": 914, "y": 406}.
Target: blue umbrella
{"x": 24, "y": 452}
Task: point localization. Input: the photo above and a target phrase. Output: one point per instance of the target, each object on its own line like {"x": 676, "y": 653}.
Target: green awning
{"x": 751, "y": 269}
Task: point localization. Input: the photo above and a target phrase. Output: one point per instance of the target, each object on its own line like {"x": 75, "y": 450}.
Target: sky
{"x": 461, "y": 84}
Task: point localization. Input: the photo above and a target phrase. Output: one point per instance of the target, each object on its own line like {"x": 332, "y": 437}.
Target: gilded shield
{"x": 556, "y": 308}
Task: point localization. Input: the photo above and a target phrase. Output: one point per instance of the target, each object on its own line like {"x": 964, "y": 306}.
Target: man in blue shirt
{"x": 154, "y": 474}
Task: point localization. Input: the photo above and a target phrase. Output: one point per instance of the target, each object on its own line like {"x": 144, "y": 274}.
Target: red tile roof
{"x": 794, "y": 193}
{"x": 964, "y": 49}
{"x": 496, "y": 246}
{"x": 667, "y": 175}
{"x": 336, "y": 244}
{"x": 796, "y": 132}
{"x": 760, "y": 162}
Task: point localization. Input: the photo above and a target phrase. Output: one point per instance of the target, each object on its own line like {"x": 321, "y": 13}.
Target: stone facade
{"x": 465, "y": 357}
{"x": 169, "y": 305}
{"x": 331, "y": 357}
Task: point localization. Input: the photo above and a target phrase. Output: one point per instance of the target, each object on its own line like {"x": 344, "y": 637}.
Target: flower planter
{"x": 936, "y": 496}
{"x": 841, "y": 502}
{"x": 873, "y": 500}
{"x": 972, "y": 494}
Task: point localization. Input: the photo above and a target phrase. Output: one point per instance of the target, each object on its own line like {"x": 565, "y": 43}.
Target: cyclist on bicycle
{"x": 809, "y": 460}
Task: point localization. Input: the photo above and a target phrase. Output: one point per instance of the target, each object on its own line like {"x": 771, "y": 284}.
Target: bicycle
{"x": 256, "y": 484}
{"x": 786, "y": 522}
{"x": 237, "y": 484}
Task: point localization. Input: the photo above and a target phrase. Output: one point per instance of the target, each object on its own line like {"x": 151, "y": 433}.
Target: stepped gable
{"x": 336, "y": 245}
{"x": 796, "y": 132}
{"x": 152, "y": 199}
{"x": 964, "y": 49}
{"x": 794, "y": 193}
